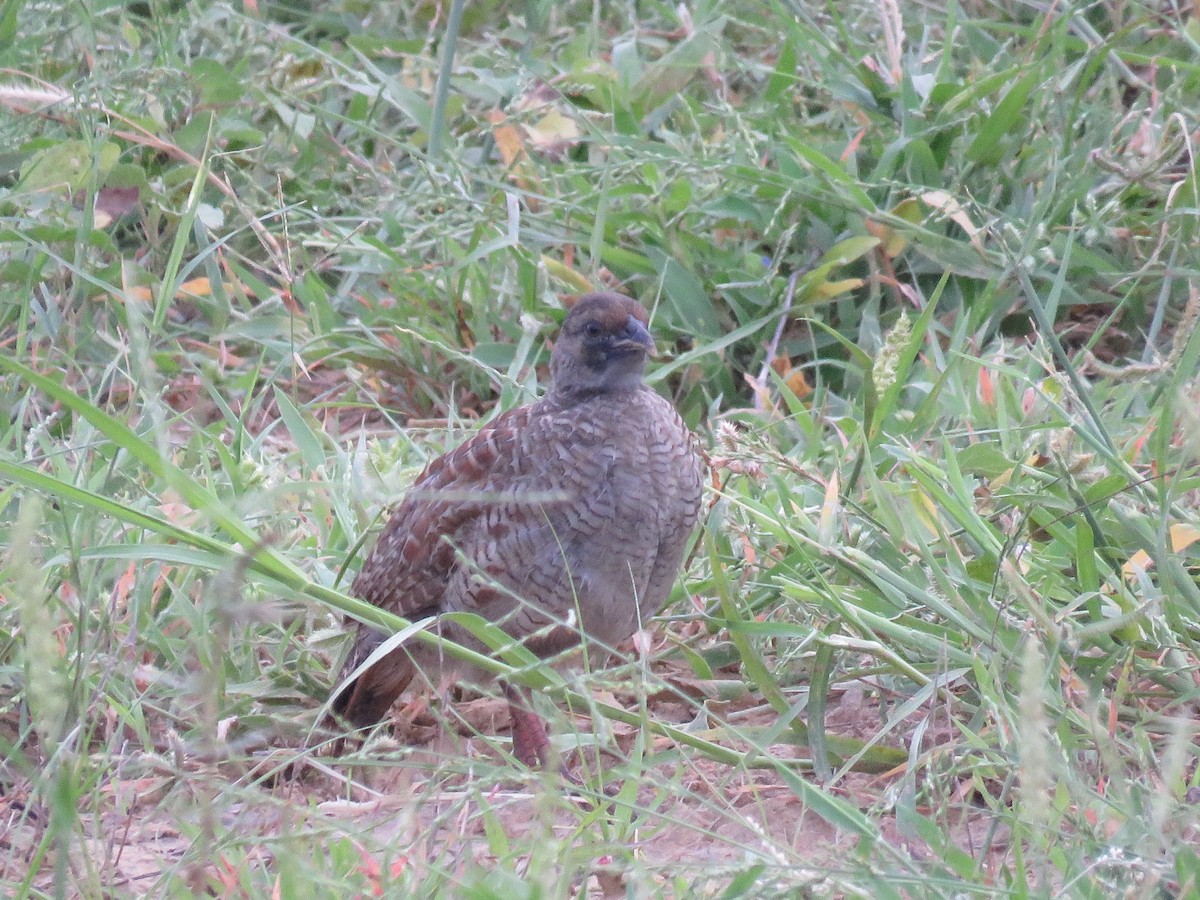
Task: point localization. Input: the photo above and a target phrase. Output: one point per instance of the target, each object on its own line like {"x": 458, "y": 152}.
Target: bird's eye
{"x": 592, "y": 329}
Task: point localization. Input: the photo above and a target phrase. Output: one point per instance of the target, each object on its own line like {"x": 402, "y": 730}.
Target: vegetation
{"x": 925, "y": 279}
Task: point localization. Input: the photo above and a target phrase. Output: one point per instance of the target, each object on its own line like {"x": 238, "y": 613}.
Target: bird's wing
{"x": 406, "y": 572}
{"x": 409, "y": 570}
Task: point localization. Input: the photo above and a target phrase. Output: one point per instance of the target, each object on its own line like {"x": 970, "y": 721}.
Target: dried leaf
{"x": 944, "y": 203}
{"x": 114, "y": 202}
{"x": 1182, "y": 537}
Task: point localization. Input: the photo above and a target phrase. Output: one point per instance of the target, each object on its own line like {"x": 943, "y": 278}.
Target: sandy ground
{"x": 435, "y": 792}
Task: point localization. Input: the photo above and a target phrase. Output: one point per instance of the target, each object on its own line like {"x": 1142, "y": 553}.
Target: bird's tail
{"x": 366, "y": 700}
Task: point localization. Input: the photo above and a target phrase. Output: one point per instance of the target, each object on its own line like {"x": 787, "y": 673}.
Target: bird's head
{"x": 602, "y": 347}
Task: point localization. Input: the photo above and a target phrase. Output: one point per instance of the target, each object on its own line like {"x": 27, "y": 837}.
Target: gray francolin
{"x": 561, "y": 521}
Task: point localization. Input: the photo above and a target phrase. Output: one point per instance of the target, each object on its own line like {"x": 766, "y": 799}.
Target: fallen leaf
{"x": 553, "y": 134}
{"x": 943, "y": 202}
{"x": 114, "y": 202}
{"x": 1181, "y": 537}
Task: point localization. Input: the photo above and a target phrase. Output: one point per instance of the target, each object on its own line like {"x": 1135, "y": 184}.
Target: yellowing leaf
{"x": 894, "y": 241}
{"x": 68, "y": 164}
{"x": 814, "y": 286}
{"x": 925, "y": 511}
{"x": 1002, "y": 480}
{"x": 798, "y": 384}
{"x": 849, "y": 250}
{"x": 507, "y": 137}
{"x": 196, "y": 287}
{"x": 510, "y": 142}
{"x": 553, "y": 134}
{"x": 952, "y": 209}
{"x": 830, "y": 512}
{"x": 560, "y": 270}
{"x": 827, "y": 290}
{"x": 1181, "y": 537}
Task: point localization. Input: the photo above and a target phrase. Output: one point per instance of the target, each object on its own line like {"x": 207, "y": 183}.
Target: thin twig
{"x": 773, "y": 346}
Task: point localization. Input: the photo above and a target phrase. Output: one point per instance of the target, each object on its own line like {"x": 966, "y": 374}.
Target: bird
{"x": 561, "y": 521}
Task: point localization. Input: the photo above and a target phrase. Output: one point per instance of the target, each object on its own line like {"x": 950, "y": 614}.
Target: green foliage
{"x": 931, "y": 303}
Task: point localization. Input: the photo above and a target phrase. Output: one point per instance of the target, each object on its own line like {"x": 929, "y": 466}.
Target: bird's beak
{"x": 636, "y": 334}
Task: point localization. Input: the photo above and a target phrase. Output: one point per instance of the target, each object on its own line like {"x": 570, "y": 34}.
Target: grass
{"x": 926, "y": 284}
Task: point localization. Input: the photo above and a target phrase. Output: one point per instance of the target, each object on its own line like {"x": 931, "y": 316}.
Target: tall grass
{"x": 925, "y": 283}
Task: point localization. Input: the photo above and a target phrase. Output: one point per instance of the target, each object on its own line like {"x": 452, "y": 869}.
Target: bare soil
{"x": 437, "y": 802}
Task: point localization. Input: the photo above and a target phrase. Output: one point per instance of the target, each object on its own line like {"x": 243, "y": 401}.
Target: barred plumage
{"x": 564, "y": 518}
